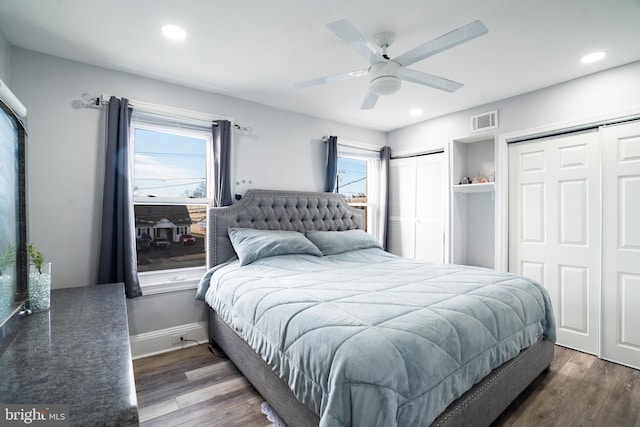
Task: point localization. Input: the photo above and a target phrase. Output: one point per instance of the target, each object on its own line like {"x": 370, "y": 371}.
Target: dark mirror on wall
{"x": 13, "y": 257}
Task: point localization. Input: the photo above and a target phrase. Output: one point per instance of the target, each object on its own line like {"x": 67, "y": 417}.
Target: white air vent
{"x": 484, "y": 121}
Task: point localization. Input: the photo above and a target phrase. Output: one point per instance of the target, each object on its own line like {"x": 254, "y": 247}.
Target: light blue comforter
{"x": 366, "y": 338}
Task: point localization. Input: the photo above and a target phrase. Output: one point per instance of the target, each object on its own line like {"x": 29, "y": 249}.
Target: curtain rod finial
{"x": 242, "y": 129}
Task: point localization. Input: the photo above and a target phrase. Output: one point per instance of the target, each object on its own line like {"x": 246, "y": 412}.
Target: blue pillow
{"x": 337, "y": 242}
{"x": 251, "y": 244}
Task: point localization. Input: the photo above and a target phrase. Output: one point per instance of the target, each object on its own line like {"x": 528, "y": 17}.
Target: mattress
{"x": 365, "y": 338}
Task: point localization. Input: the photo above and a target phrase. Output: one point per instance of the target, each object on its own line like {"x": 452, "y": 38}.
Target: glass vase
{"x": 40, "y": 287}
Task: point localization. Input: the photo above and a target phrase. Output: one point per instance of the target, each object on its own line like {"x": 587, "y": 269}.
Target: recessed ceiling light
{"x": 174, "y": 32}
{"x": 415, "y": 112}
{"x": 593, "y": 57}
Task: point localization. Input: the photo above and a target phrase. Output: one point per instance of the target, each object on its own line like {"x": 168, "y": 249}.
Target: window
{"x": 171, "y": 197}
{"x": 358, "y": 181}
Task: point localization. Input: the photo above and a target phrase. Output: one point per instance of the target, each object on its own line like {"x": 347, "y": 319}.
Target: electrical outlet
{"x": 177, "y": 339}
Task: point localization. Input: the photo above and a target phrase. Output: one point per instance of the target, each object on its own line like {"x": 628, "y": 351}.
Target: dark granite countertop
{"x": 76, "y": 354}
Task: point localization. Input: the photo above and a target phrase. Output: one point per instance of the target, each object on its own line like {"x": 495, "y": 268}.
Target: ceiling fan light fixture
{"x": 385, "y": 77}
{"x": 386, "y": 74}
{"x": 385, "y": 85}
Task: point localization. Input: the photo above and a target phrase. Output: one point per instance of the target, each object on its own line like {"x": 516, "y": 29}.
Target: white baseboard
{"x": 161, "y": 341}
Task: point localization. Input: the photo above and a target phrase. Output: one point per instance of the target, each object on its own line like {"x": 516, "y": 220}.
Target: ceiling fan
{"x": 385, "y": 74}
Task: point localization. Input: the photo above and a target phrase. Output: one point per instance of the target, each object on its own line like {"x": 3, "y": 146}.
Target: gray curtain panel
{"x": 221, "y": 164}
{"x": 385, "y": 158}
{"x": 118, "y": 259}
{"x": 332, "y": 164}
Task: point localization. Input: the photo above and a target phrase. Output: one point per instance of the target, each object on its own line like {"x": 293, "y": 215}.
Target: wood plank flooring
{"x": 579, "y": 390}
{"x": 193, "y": 387}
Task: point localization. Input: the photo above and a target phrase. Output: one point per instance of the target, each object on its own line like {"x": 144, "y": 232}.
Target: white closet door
{"x": 554, "y": 229}
{"x": 417, "y": 207}
{"x": 430, "y": 208}
{"x": 621, "y": 244}
{"x": 402, "y": 207}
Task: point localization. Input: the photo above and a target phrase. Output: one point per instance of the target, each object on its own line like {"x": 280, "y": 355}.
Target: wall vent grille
{"x": 484, "y": 121}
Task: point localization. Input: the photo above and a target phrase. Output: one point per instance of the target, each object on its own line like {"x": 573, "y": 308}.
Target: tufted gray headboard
{"x": 279, "y": 210}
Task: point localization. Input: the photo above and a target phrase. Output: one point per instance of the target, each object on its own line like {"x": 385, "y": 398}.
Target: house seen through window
{"x": 171, "y": 194}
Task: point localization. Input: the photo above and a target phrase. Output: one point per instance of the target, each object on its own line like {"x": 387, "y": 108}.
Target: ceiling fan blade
{"x": 429, "y": 80}
{"x": 330, "y": 79}
{"x": 369, "y": 101}
{"x": 447, "y": 41}
{"x": 353, "y": 38}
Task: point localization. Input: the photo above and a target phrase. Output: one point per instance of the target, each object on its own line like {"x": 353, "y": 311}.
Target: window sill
{"x": 153, "y": 283}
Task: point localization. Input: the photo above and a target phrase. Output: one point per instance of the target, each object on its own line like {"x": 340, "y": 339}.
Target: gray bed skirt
{"x": 479, "y": 406}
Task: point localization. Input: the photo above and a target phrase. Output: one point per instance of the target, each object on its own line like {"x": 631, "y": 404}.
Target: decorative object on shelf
{"x": 465, "y": 180}
{"x": 39, "y": 281}
{"x": 475, "y": 180}
{"x": 492, "y": 176}
{"x": 474, "y": 188}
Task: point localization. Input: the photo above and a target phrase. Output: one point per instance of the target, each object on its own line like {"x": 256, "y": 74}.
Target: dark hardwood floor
{"x": 579, "y": 390}
{"x": 193, "y": 387}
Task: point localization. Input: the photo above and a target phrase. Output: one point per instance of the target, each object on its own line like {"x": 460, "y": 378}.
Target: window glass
{"x": 352, "y": 179}
{"x": 351, "y": 182}
{"x": 169, "y": 164}
{"x": 170, "y": 236}
{"x": 358, "y": 180}
{"x": 171, "y": 195}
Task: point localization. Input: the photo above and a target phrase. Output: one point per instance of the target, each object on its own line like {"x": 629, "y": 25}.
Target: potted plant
{"x": 7, "y": 279}
{"x": 7, "y": 259}
{"x": 39, "y": 280}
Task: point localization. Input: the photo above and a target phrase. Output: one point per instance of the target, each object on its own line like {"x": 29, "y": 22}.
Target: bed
{"x": 333, "y": 331}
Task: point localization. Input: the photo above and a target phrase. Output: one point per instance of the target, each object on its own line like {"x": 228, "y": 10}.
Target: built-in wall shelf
{"x": 473, "y": 205}
{"x": 484, "y": 187}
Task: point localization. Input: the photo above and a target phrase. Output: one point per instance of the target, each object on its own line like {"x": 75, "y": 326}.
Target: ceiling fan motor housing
{"x": 384, "y": 77}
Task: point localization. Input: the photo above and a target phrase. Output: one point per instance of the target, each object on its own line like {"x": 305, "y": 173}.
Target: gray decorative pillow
{"x": 251, "y": 244}
{"x": 337, "y": 242}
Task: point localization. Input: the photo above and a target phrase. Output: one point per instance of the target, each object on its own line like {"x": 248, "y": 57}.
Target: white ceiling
{"x": 257, "y": 49}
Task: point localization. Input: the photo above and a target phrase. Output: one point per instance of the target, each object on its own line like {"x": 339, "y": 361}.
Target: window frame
{"x": 177, "y": 279}
{"x": 371, "y": 155}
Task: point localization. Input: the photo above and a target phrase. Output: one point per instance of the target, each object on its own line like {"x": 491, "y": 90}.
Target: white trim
{"x": 163, "y": 281}
{"x": 165, "y": 287}
{"x": 160, "y": 341}
{"x": 357, "y": 144}
{"x": 10, "y": 100}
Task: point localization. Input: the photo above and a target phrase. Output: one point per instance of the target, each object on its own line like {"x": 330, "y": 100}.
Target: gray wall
{"x": 596, "y": 95}
{"x": 65, "y": 152}
{"x": 608, "y": 94}
{"x": 65, "y": 163}
{"x": 5, "y": 60}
